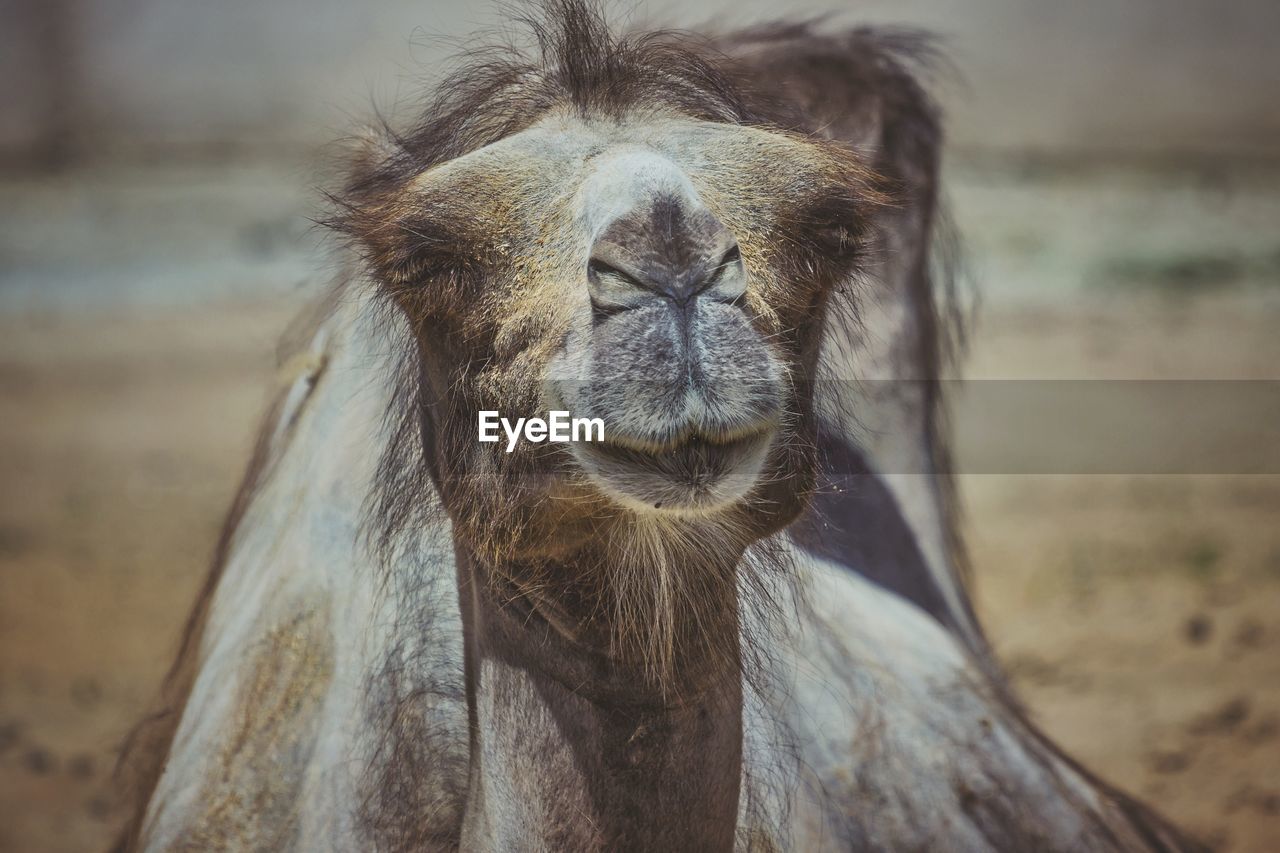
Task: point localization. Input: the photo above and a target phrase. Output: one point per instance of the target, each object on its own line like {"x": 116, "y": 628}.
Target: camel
{"x": 740, "y": 620}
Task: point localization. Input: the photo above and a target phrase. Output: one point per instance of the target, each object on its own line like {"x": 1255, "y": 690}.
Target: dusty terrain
{"x": 1139, "y": 615}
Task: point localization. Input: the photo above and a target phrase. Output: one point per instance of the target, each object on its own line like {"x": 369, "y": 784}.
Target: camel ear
{"x": 370, "y": 208}
{"x": 371, "y": 151}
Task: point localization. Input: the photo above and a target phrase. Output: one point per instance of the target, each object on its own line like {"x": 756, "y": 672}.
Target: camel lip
{"x": 694, "y": 450}
{"x": 691, "y": 436}
{"x": 696, "y": 475}
{"x": 762, "y": 420}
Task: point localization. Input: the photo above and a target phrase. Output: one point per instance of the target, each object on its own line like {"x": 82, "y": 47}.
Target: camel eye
{"x": 429, "y": 268}
{"x": 833, "y": 226}
{"x": 837, "y": 243}
{"x": 414, "y": 252}
{"x": 835, "y": 236}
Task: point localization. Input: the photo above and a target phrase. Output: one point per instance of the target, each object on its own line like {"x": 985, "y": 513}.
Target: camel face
{"x": 664, "y": 274}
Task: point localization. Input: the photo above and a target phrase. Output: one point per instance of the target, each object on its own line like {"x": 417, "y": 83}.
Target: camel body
{"x": 867, "y": 725}
{"x": 334, "y": 691}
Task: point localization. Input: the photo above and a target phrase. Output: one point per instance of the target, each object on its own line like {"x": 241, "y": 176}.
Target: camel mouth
{"x": 697, "y": 473}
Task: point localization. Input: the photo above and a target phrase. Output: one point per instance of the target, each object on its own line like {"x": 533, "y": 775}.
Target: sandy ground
{"x": 1139, "y": 616}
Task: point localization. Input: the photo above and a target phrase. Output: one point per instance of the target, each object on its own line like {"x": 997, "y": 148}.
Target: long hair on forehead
{"x": 571, "y": 58}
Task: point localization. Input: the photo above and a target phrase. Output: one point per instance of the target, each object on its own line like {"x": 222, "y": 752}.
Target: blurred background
{"x": 1114, "y": 170}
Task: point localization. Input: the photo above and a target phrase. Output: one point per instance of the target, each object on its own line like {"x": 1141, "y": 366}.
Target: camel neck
{"x": 574, "y": 750}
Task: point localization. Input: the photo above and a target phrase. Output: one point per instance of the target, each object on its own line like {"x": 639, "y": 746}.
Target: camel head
{"x": 612, "y": 230}
{"x": 663, "y": 273}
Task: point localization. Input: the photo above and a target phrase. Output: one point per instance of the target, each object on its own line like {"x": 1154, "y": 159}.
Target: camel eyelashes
{"x": 838, "y": 239}
{"x": 427, "y": 267}
{"x": 408, "y": 250}
{"x": 838, "y": 236}
{"x": 833, "y": 225}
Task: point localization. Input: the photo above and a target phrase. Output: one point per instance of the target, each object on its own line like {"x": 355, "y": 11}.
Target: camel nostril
{"x": 727, "y": 277}
{"x": 731, "y": 257}
{"x": 671, "y": 247}
{"x": 614, "y": 287}
{"x": 597, "y": 268}
{"x": 621, "y": 284}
